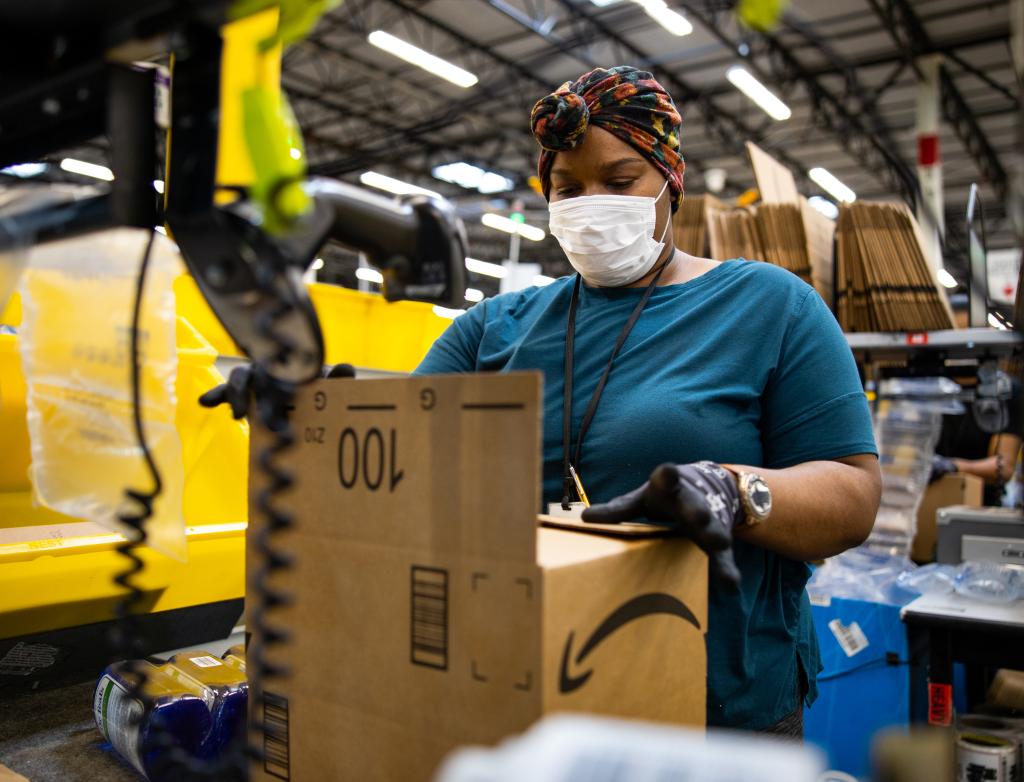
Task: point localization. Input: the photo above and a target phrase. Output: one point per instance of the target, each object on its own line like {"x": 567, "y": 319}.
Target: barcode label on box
{"x": 850, "y": 637}
{"x": 276, "y": 759}
{"x": 429, "y": 617}
{"x": 206, "y": 661}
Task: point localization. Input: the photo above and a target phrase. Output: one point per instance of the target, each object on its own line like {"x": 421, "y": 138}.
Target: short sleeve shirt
{"x": 744, "y": 365}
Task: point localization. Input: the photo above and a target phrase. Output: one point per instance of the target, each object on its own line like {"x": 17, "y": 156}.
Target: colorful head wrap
{"x": 628, "y": 103}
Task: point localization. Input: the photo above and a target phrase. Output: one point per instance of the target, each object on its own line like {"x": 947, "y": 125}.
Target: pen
{"x": 579, "y": 486}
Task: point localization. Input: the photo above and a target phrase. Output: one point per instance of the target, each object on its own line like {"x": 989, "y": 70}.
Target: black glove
{"x": 700, "y": 501}
{"x": 942, "y": 465}
{"x": 238, "y": 390}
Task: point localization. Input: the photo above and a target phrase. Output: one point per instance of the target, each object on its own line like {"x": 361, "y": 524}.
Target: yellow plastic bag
{"x": 77, "y": 297}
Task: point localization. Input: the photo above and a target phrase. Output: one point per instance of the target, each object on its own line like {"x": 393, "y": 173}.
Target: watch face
{"x": 759, "y": 496}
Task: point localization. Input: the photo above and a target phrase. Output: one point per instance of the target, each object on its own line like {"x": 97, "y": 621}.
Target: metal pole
{"x": 929, "y": 161}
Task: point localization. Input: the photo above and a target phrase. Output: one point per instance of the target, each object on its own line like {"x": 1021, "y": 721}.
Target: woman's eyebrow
{"x": 604, "y": 168}
{"x": 621, "y": 162}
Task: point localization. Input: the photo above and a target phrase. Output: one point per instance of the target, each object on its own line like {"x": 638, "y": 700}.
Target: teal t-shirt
{"x": 743, "y": 365}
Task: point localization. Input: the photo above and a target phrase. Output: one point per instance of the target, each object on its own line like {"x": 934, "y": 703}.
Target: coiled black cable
{"x": 273, "y": 400}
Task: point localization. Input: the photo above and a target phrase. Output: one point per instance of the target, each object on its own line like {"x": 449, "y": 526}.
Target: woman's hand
{"x": 700, "y": 501}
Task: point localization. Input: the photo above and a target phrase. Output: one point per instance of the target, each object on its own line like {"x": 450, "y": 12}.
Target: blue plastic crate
{"x": 859, "y": 693}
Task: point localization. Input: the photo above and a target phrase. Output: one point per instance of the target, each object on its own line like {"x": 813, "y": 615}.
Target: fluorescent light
{"x": 542, "y": 279}
{"x": 86, "y": 169}
{"x": 445, "y": 312}
{"x": 483, "y": 267}
{"x": 317, "y": 265}
{"x": 947, "y": 279}
{"x": 425, "y": 60}
{"x": 997, "y": 323}
{"x": 473, "y": 177}
{"x": 670, "y": 19}
{"x": 472, "y": 294}
{"x": 158, "y": 185}
{"x": 502, "y": 223}
{"x": 24, "y": 170}
{"x": 824, "y": 206}
{"x": 370, "y": 275}
{"x": 392, "y": 185}
{"x": 744, "y": 81}
{"x": 831, "y": 185}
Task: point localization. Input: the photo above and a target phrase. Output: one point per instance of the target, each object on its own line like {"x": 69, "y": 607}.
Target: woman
{"x": 733, "y": 377}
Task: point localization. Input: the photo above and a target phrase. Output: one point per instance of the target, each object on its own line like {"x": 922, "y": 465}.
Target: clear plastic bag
{"x": 931, "y": 579}
{"x": 866, "y": 573}
{"x": 77, "y": 296}
{"x": 990, "y": 582}
{"x": 930, "y": 394}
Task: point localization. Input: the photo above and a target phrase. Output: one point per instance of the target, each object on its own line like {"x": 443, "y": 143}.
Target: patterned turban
{"x": 628, "y": 103}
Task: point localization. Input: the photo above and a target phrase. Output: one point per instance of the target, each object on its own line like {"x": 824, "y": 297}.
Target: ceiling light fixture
{"x": 947, "y": 279}
{"x": 472, "y": 294}
{"x": 488, "y": 269}
{"x": 473, "y": 177}
{"x": 74, "y": 166}
{"x": 824, "y": 206}
{"x": 831, "y": 185}
{"x": 414, "y": 55}
{"x": 392, "y": 185}
{"x": 24, "y": 170}
{"x": 669, "y": 18}
{"x": 446, "y": 312}
{"x": 369, "y": 275}
{"x": 747, "y": 83}
{"x": 502, "y": 223}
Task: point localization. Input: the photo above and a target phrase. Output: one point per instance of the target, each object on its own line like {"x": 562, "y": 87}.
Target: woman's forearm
{"x": 819, "y": 509}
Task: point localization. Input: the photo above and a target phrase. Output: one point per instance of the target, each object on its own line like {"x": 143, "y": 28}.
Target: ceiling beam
{"x": 913, "y": 41}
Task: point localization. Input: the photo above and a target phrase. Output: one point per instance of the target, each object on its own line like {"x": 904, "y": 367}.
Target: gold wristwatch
{"x": 755, "y": 496}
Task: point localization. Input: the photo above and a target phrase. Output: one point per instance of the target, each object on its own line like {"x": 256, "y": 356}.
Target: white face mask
{"x": 609, "y": 240}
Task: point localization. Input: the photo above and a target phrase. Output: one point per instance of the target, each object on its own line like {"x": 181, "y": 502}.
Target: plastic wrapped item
{"x": 865, "y": 573}
{"x": 906, "y": 430}
{"x": 18, "y": 240}
{"x": 568, "y": 748}
{"x": 930, "y": 394}
{"x": 77, "y": 298}
{"x": 134, "y": 731}
{"x": 989, "y": 582}
{"x": 196, "y": 699}
{"x": 931, "y": 579}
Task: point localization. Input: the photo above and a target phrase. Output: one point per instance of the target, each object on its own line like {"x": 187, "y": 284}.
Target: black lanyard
{"x": 570, "y": 339}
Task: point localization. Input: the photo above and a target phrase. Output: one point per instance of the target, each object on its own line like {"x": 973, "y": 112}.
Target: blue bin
{"x": 861, "y": 692}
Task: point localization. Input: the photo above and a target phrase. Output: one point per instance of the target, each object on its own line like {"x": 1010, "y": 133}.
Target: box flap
{"x": 442, "y": 464}
{"x": 626, "y": 529}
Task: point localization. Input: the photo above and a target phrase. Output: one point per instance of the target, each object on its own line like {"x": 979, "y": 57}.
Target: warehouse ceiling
{"x": 847, "y": 71}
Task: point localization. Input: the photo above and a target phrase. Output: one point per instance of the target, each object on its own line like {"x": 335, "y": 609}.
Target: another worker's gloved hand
{"x": 942, "y": 465}
{"x": 700, "y": 501}
{"x": 238, "y": 390}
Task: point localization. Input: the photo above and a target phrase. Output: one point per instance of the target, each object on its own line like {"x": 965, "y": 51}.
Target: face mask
{"x": 608, "y": 239}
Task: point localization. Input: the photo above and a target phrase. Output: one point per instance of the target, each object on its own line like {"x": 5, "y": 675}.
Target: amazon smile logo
{"x": 636, "y": 608}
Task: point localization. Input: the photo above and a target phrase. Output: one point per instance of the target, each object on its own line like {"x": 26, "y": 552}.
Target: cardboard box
{"x": 431, "y": 612}
{"x": 1007, "y": 689}
{"x": 951, "y": 489}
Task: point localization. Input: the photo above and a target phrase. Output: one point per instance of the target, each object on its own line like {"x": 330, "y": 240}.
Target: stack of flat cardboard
{"x": 691, "y": 223}
{"x": 734, "y": 234}
{"x": 782, "y": 234}
{"x": 884, "y": 281}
